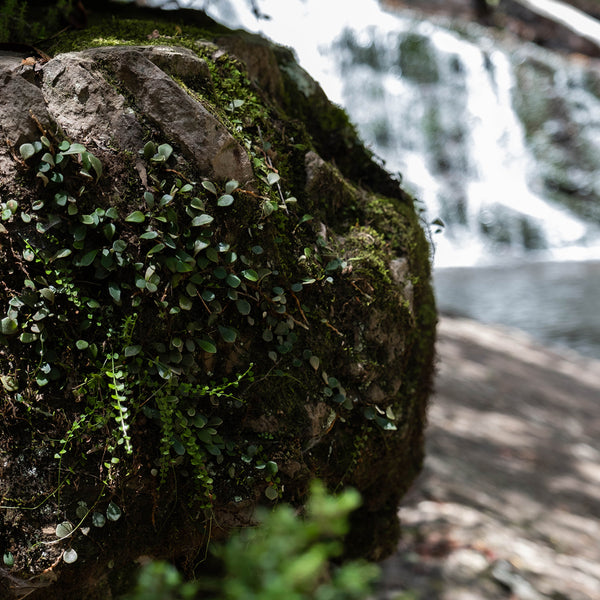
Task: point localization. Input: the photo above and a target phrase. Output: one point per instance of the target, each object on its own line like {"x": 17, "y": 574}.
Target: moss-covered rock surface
{"x": 210, "y": 295}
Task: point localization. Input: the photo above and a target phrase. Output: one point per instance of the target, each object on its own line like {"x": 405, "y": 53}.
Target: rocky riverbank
{"x": 515, "y": 17}
{"x": 508, "y": 503}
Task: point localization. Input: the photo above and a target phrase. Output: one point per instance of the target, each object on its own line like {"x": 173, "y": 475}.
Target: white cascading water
{"x": 454, "y": 135}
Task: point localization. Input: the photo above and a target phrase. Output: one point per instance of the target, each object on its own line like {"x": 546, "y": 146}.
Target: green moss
{"x": 317, "y": 282}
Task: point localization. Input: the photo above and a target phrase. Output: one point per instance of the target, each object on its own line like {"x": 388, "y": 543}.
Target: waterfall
{"x": 500, "y": 141}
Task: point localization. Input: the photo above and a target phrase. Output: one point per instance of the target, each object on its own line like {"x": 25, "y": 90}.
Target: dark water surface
{"x": 558, "y": 303}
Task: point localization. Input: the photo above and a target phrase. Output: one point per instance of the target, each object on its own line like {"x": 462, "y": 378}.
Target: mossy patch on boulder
{"x": 211, "y": 294}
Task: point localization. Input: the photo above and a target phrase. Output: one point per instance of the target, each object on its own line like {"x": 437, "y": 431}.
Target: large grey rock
{"x": 182, "y": 118}
{"x": 317, "y": 282}
{"x": 86, "y": 95}
{"x": 86, "y": 106}
{"x": 20, "y": 101}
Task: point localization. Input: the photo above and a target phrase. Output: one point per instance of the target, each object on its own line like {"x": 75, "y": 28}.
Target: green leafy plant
{"x": 16, "y": 24}
{"x": 65, "y": 530}
{"x": 165, "y": 255}
{"x": 286, "y": 556}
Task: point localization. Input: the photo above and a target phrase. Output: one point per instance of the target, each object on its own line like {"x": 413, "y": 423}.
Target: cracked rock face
{"x": 93, "y": 96}
{"x": 338, "y": 329}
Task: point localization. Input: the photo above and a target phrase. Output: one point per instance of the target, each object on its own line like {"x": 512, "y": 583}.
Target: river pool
{"x": 557, "y": 303}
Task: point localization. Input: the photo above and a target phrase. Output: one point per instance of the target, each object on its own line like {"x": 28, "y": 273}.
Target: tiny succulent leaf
{"x": 225, "y": 200}
{"x": 272, "y": 178}
{"x": 26, "y": 150}
{"x": 64, "y": 529}
{"x": 113, "y": 512}
{"x": 207, "y": 346}
{"x": 70, "y": 556}
{"x": 210, "y": 186}
{"x": 136, "y": 216}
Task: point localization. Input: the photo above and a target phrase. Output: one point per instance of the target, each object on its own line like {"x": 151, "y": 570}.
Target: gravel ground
{"x": 508, "y": 505}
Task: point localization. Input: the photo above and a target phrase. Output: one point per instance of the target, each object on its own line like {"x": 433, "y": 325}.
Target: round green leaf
{"x": 155, "y": 249}
{"x": 231, "y": 185}
{"x": 98, "y": 519}
{"x": 250, "y": 274}
{"x": 165, "y": 150}
{"x": 81, "y": 344}
{"x": 119, "y": 245}
{"x": 225, "y": 200}
{"x": 26, "y": 150}
{"x": 197, "y": 204}
{"x": 220, "y": 273}
{"x": 70, "y": 556}
{"x": 47, "y": 294}
{"x": 243, "y": 307}
{"x": 272, "y": 178}
{"x": 8, "y": 326}
{"x": 233, "y": 280}
{"x": 200, "y": 421}
{"x": 88, "y": 258}
{"x": 115, "y": 291}
{"x": 95, "y": 164}
{"x": 334, "y": 264}
{"x": 271, "y": 493}
{"x": 212, "y": 254}
{"x": 136, "y": 216}
{"x": 109, "y": 231}
{"x": 207, "y": 346}
{"x": 385, "y": 424}
{"x": 185, "y": 303}
{"x": 210, "y": 186}
{"x": 88, "y": 219}
{"x": 199, "y": 244}
{"x": 74, "y": 149}
{"x": 64, "y": 529}
{"x": 228, "y": 334}
{"x": 28, "y": 255}
{"x": 113, "y": 512}
{"x": 202, "y": 220}
{"x": 149, "y": 150}
{"x": 132, "y": 350}
{"x": 82, "y": 510}
{"x": 63, "y": 253}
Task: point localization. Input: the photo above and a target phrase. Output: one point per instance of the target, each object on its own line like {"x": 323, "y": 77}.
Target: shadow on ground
{"x": 508, "y": 503}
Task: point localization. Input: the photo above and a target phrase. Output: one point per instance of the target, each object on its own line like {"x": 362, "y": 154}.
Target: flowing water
{"x": 499, "y": 139}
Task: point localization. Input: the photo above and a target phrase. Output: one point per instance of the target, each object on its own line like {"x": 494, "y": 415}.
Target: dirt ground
{"x": 508, "y": 505}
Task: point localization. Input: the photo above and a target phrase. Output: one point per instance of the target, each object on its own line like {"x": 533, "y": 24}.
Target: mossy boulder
{"x": 211, "y": 294}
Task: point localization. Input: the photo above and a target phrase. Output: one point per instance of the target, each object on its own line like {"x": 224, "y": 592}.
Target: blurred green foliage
{"x": 23, "y": 23}
{"x": 286, "y": 557}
